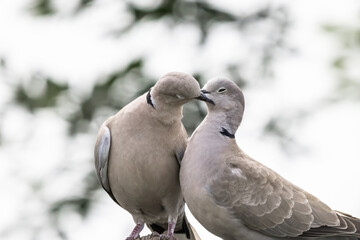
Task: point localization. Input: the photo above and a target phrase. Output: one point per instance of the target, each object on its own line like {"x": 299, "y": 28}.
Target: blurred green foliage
{"x": 199, "y": 13}
{"x": 42, "y": 7}
{"x": 46, "y": 98}
{"x": 346, "y": 64}
{"x": 41, "y": 91}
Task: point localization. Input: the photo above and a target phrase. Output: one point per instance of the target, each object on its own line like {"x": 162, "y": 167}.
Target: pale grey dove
{"x": 236, "y": 197}
{"x": 137, "y": 155}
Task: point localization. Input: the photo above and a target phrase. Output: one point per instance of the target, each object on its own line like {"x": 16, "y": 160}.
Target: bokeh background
{"x": 67, "y": 65}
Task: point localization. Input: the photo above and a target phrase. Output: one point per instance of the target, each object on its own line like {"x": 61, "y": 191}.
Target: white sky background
{"x": 78, "y": 51}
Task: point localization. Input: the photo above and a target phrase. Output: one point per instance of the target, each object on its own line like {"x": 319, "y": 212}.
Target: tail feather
{"x": 354, "y": 221}
{"x": 349, "y": 226}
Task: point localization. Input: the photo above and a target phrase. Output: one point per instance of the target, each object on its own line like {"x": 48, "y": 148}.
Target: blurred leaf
{"x": 280, "y": 127}
{"x": 80, "y": 204}
{"x": 42, "y": 8}
{"x": 163, "y": 9}
{"x": 235, "y": 75}
{"x": 135, "y": 64}
{"x": 339, "y": 62}
{"x": 100, "y": 97}
{"x": 273, "y": 126}
{"x": 330, "y": 28}
{"x": 200, "y": 13}
{"x": 193, "y": 115}
{"x": 48, "y": 98}
{"x": 83, "y": 4}
{"x": 346, "y": 62}
{"x": 2, "y": 62}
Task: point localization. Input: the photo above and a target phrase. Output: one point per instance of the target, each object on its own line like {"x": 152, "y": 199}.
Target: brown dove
{"x": 137, "y": 156}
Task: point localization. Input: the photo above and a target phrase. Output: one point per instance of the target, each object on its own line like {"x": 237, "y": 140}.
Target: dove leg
{"x": 171, "y": 226}
{"x": 171, "y": 229}
{"x": 136, "y": 231}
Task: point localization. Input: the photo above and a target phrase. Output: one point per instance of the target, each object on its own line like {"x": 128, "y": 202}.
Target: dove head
{"x": 226, "y": 101}
{"x": 176, "y": 88}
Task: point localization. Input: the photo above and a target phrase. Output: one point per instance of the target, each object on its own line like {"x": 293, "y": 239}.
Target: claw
{"x": 155, "y": 234}
{"x": 166, "y": 237}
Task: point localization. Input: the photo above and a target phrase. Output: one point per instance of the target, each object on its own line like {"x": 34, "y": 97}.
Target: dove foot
{"x": 155, "y": 234}
{"x": 166, "y": 237}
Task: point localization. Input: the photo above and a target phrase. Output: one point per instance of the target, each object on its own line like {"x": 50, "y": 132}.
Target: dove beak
{"x": 204, "y": 98}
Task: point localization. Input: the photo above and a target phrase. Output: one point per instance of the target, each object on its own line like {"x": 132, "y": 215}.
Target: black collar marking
{"x": 226, "y": 133}
{"x": 148, "y": 99}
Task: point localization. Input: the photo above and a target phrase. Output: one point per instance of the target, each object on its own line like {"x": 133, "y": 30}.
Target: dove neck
{"x": 220, "y": 119}
{"x": 168, "y": 114}
{"x": 164, "y": 111}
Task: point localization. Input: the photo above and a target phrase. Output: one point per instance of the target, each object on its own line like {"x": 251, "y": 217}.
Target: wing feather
{"x": 266, "y": 202}
{"x": 102, "y": 152}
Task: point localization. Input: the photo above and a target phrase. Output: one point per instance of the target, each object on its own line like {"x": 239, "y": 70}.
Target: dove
{"x": 235, "y": 197}
{"x": 137, "y": 157}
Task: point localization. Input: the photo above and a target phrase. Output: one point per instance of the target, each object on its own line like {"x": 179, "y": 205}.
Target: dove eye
{"x": 221, "y": 90}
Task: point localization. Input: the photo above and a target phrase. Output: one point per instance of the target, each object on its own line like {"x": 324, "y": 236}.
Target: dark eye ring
{"x": 221, "y": 90}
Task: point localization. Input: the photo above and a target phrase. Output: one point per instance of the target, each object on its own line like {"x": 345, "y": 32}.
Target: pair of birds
{"x": 139, "y": 152}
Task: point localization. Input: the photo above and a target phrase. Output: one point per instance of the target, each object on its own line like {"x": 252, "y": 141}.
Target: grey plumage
{"x": 137, "y": 156}
{"x": 236, "y": 197}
